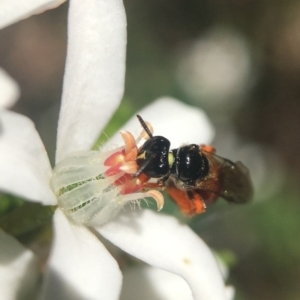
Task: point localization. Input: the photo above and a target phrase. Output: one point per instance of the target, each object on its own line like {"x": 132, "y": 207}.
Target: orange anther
{"x": 129, "y": 141}
{"x": 158, "y": 197}
{"x": 129, "y": 167}
{"x": 131, "y": 155}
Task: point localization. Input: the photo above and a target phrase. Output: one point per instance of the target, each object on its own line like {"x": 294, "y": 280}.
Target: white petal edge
{"x": 163, "y": 242}
{"x": 152, "y": 283}
{"x": 177, "y": 121}
{"x": 230, "y": 292}
{"x": 18, "y": 270}
{"x": 95, "y": 72}
{"x": 25, "y": 167}
{"x": 12, "y": 11}
{"x": 79, "y": 266}
{"x": 9, "y": 90}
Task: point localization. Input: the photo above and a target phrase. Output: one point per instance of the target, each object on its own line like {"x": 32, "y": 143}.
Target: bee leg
{"x": 198, "y": 205}
{"x": 189, "y": 202}
{"x": 144, "y": 180}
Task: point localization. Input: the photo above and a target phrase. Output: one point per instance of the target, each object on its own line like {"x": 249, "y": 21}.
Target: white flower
{"x": 9, "y": 90}
{"x": 18, "y": 270}
{"x": 79, "y": 266}
{"x": 152, "y": 283}
{"x": 18, "y": 10}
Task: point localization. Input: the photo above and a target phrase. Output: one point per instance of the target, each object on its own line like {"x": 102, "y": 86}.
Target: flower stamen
{"x": 129, "y": 167}
{"x": 158, "y": 197}
{"x": 92, "y": 187}
{"x": 129, "y": 141}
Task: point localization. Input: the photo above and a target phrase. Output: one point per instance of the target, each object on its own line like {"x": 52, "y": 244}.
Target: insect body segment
{"x": 194, "y": 176}
{"x": 190, "y": 164}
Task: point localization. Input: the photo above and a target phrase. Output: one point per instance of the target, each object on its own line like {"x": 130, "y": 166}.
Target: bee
{"x": 193, "y": 175}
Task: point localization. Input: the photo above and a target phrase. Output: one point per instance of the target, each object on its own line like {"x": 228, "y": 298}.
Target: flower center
{"x": 92, "y": 187}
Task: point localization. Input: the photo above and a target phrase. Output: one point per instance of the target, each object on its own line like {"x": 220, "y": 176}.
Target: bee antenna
{"x": 144, "y": 125}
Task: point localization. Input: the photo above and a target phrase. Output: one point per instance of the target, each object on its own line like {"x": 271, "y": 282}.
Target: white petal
{"x": 12, "y": 11}
{"x": 165, "y": 243}
{"x": 178, "y": 122}
{"x": 79, "y": 267}
{"x": 230, "y": 292}
{"x": 9, "y": 90}
{"x": 18, "y": 270}
{"x": 151, "y": 283}
{"x": 95, "y": 71}
{"x": 25, "y": 167}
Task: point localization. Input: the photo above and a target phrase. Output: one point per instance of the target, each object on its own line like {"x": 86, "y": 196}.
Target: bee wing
{"x": 228, "y": 179}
